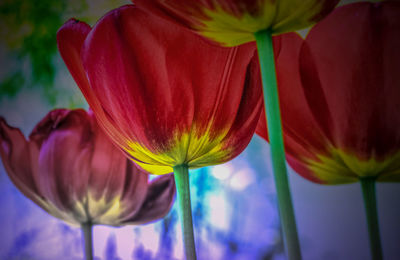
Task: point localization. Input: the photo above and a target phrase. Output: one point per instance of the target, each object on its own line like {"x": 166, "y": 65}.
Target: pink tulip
{"x": 71, "y": 170}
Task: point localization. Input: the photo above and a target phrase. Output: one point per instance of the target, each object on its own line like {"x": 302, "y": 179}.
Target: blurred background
{"x": 234, "y": 205}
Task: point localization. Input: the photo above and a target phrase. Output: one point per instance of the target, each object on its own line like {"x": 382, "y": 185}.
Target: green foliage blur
{"x": 28, "y": 48}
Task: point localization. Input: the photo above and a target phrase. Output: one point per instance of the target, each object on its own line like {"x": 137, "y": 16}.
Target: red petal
{"x": 70, "y": 40}
{"x": 66, "y": 144}
{"x": 188, "y": 13}
{"x": 113, "y": 176}
{"x": 355, "y": 54}
{"x": 17, "y": 161}
{"x": 246, "y": 118}
{"x": 191, "y": 13}
{"x": 135, "y": 191}
{"x": 303, "y": 135}
{"x": 158, "y": 201}
{"x": 108, "y": 166}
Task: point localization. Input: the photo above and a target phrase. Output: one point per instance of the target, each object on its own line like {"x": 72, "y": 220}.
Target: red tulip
{"x": 70, "y": 169}
{"x": 341, "y": 110}
{"x": 233, "y": 22}
{"x": 163, "y": 94}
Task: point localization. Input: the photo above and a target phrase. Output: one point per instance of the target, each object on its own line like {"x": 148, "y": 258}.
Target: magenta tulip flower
{"x": 70, "y": 169}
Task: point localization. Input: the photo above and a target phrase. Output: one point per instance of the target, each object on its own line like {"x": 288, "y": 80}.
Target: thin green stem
{"x": 88, "y": 240}
{"x": 271, "y": 102}
{"x": 181, "y": 173}
{"x": 369, "y": 195}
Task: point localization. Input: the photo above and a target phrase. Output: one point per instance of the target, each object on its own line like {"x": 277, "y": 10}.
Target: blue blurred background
{"x": 234, "y": 205}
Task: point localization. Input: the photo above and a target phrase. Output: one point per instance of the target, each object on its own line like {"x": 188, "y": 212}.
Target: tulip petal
{"x": 70, "y": 130}
{"x": 360, "y": 43}
{"x": 135, "y": 191}
{"x": 299, "y": 14}
{"x": 70, "y": 39}
{"x": 16, "y": 157}
{"x": 237, "y": 138}
{"x": 158, "y": 201}
{"x": 108, "y": 166}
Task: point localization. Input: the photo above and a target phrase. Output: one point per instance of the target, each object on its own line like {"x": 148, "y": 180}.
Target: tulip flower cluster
{"x": 231, "y": 23}
{"x": 172, "y": 100}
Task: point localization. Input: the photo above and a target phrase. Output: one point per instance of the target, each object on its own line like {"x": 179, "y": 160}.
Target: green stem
{"x": 271, "y": 103}
{"x": 88, "y": 240}
{"x": 369, "y": 195}
{"x": 181, "y": 173}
